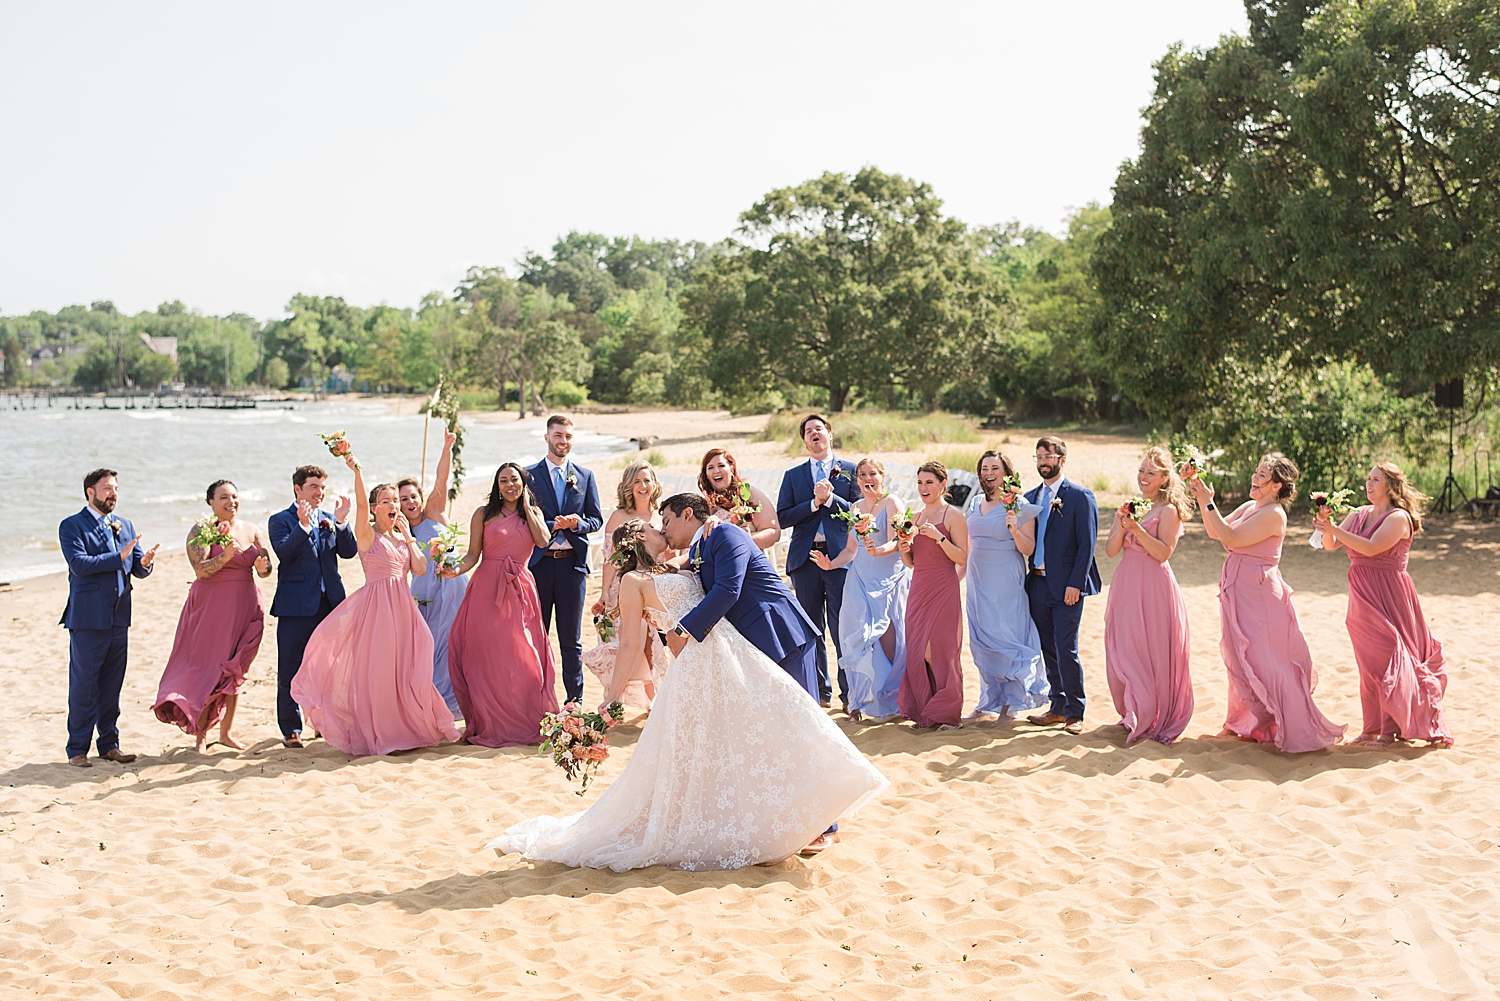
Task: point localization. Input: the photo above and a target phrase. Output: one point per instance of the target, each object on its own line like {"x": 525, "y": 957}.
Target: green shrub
{"x": 868, "y": 431}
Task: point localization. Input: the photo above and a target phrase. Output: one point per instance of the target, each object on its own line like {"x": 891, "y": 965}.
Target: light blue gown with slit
{"x": 874, "y": 600}
{"x": 1003, "y": 639}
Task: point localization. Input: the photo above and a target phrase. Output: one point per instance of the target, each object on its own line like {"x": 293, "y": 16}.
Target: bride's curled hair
{"x": 628, "y": 551}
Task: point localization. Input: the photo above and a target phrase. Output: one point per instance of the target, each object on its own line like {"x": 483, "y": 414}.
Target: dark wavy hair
{"x": 496, "y": 503}
{"x": 213, "y": 488}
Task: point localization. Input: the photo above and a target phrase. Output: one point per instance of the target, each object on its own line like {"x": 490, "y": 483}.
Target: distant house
{"x": 52, "y": 352}
{"x": 161, "y": 345}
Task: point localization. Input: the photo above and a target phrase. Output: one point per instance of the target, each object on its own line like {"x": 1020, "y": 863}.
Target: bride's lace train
{"x": 735, "y": 766}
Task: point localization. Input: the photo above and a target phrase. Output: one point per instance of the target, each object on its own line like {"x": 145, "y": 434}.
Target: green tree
{"x": 848, "y": 284}
{"x": 316, "y": 336}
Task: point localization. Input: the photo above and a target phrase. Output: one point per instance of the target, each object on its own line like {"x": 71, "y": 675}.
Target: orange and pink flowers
{"x": 338, "y": 446}
{"x": 579, "y": 741}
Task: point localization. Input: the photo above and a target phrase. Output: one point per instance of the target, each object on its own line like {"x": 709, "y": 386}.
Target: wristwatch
{"x": 1209, "y": 506}
{"x": 680, "y": 631}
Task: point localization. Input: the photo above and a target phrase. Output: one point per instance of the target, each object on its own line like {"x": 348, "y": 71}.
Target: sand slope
{"x": 1060, "y": 867}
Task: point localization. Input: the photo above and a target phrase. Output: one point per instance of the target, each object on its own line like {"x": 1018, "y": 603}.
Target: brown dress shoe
{"x": 80, "y": 761}
{"x": 1047, "y": 719}
{"x": 113, "y": 754}
{"x": 1074, "y": 725}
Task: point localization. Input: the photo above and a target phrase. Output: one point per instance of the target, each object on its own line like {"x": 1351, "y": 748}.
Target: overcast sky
{"x": 231, "y": 155}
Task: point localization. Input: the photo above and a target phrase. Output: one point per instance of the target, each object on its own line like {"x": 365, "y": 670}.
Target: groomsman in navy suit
{"x": 812, "y": 492}
{"x": 1063, "y": 573}
{"x": 309, "y": 543}
{"x": 103, "y": 552}
{"x": 570, "y": 505}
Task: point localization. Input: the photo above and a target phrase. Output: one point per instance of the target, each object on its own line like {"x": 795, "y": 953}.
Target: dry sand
{"x": 1003, "y": 862}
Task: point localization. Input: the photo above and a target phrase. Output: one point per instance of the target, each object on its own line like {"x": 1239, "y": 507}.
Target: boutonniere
{"x": 570, "y": 479}
{"x": 326, "y": 524}
{"x": 696, "y": 564}
{"x": 113, "y": 524}
{"x": 838, "y": 471}
{"x": 1056, "y": 504}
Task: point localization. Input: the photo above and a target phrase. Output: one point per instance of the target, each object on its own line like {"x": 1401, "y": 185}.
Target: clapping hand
{"x": 821, "y": 559}
{"x": 341, "y": 509}
{"x": 1125, "y": 515}
{"x": 263, "y": 565}
{"x": 304, "y": 513}
{"x": 565, "y": 521}
{"x": 822, "y": 490}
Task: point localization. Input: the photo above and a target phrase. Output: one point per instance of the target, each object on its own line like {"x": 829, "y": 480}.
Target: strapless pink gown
{"x": 1146, "y": 643}
{"x": 366, "y": 678}
{"x": 499, "y": 659}
{"x": 218, "y": 636}
{"x": 1401, "y": 675}
{"x": 1271, "y": 677}
{"x": 932, "y": 692}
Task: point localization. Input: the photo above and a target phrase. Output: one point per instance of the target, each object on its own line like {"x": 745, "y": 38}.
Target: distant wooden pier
{"x": 30, "y": 399}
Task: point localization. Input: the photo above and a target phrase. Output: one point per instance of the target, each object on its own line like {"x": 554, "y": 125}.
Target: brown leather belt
{"x": 559, "y": 554}
{"x": 1039, "y": 571}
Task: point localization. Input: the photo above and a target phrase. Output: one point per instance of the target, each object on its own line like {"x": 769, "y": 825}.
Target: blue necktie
{"x": 558, "y": 486}
{"x": 1039, "y": 558}
{"x": 114, "y": 546}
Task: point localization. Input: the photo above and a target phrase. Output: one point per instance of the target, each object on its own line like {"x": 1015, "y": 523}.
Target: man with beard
{"x": 103, "y": 552}
{"x": 1062, "y": 574}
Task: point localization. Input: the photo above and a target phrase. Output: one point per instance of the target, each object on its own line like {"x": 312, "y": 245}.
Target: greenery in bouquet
{"x": 861, "y": 524}
{"x": 444, "y": 405}
{"x": 579, "y": 741}
{"x": 442, "y": 549}
{"x": 212, "y": 532}
{"x": 338, "y": 446}
{"x": 742, "y": 510}
{"x": 906, "y": 524}
{"x": 1011, "y": 487}
{"x": 605, "y": 627}
{"x": 1196, "y": 461}
{"x": 1139, "y": 507}
{"x": 1337, "y": 502}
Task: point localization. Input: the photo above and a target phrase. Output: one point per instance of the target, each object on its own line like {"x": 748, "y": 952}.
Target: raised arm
{"x": 1260, "y": 526}
{"x": 535, "y": 521}
{"x": 364, "y": 532}
{"x": 437, "y": 500}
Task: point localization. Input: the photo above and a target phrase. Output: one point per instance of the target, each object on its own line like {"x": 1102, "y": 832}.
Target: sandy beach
{"x": 1003, "y": 862}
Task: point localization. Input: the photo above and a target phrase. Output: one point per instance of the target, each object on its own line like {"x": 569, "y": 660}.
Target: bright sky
{"x": 233, "y": 154}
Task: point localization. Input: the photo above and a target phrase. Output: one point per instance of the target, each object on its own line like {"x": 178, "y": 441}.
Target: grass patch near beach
{"x": 876, "y": 431}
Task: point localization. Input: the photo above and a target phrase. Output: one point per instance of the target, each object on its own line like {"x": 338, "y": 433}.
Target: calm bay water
{"x": 167, "y": 458}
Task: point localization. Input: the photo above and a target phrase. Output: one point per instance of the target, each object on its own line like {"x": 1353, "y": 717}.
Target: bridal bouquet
{"x": 442, "y": 549}
{"x": 906, "y": 524}
{"x": 212, "y": 532}
{"x": 1337, "y": 503}
{"x": 1197, "y": 462}
{"x": 338, "y": 446}
{"x": 1139, "y": 507}
{"x": 1011, "y": 487}
{"x": 744, "y": 509}
{"x": 579, "y": 741}
{"x": 861, "y": 524}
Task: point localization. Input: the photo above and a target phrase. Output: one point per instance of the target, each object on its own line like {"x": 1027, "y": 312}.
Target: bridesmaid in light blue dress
{"x": 438, "y": 598}
{"x": 872, "y": 630}
{"x": 1002, "y": 637}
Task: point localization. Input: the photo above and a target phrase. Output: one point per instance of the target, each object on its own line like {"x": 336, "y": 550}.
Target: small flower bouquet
{"x": 1193, "y": 460}
{"x": 442, "y": 548}
{"x": 742, "y": 511}
{"x": 1337, "y": 503}
{"x": 1011, "y": 487}
{"x": 906, "y": 525}
{"x": 579, "y": 741}
{"x": 605, "y": 627}
{"x": 338, "y": 446}
{"x": 861, "y": 524}
{"x": 212, "y": 532}
{"x": 115, "y": 525}
{"x": 1139, "y": 507}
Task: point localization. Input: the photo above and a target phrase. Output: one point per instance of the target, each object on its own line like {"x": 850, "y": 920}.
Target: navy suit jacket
{"x": 94, "y": 598}
{"x": 741, "y": 585}
{"x": 1071, "y": 536}
{"x": 302, "y": 567}
{"x": 581, "y": 499}
{"x": 794, "y": 508}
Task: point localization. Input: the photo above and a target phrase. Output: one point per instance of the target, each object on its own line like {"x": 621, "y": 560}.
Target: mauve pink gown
{"x": 1146, "y": 643}
{"x": 366, "y": 678}
{"x": 218, "y": 636}
{"x": 1271, "y": 677}
{"x": 1401, "y": 676}
{"x": 932, "y": 692}
{"x": 498, "y": 656}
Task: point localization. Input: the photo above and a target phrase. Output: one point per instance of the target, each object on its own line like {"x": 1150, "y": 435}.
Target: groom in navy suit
{"x": 309, "y": 543}
{"x": 1063, "y": 573}
{"x": 570, "y": 506}
{"x": 741, "y": 585}
{"x": 103, "y": 552}
{"x": 812, "y": 493}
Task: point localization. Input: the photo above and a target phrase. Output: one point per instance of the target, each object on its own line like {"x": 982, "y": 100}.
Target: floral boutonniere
{"x": 695, "y": 564}
{"x": 570, "y": 478}
{"x": 113, "y": 524}
{"x": 839, "y": 471}
{"x": 1056, "y": 505}
{"x": 325, "y": 524}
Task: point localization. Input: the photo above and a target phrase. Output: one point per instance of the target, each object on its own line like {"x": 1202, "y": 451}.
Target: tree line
{"x": 1305, "y": 243}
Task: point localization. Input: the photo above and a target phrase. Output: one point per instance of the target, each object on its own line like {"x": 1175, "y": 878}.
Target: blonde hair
{"x": 623, "y": 493}
{"x": 1403, "y": 495}
{"x": 1285, "y": 472}
{"x": 874, "y": 464}
{"x": 1172, "y": 492}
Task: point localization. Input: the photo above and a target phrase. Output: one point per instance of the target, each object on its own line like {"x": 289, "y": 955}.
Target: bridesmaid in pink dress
{"x": 1145, "y": 624}
{"x": 498, "y": 654}
{"x": 1271, "y": 677}
{"x": 366, "y": 678}
{"x": 1401, "y": 676}
{"x": 219, "y": 631}
{"x": 932, "y": 689}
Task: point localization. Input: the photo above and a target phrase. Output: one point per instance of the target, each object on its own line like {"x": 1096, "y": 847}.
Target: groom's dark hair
{"x": 95, "y": 477}
{"x": 678, "y": 503}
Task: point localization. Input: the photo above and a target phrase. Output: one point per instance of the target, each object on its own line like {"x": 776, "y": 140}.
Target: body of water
{"x": 167, "y": 459}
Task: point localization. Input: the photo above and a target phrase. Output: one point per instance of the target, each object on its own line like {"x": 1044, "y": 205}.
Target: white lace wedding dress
{"x": 736, "y": 765}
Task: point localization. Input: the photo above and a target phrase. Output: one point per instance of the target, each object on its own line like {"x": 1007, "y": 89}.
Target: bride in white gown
{"x": 736, "y": 765}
